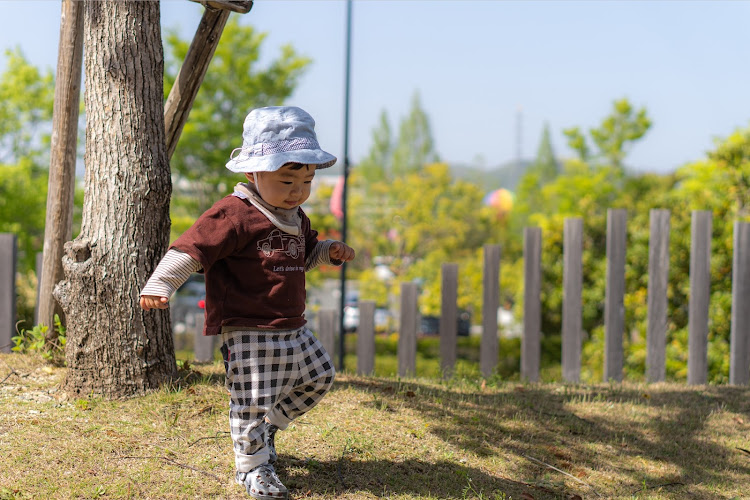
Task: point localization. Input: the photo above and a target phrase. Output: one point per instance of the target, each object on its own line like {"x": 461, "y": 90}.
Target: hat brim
{"x": 273, "y": 162}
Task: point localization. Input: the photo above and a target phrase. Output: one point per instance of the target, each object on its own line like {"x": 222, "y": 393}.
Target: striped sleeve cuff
{"x": 173, "y": 270}
{"x": 321, "y": 256}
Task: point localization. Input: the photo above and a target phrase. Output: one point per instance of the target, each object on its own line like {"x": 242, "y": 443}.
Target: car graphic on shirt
{"x": 279, "y": 241}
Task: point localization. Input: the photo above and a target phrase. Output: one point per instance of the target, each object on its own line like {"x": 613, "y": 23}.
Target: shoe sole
{"x": 280, "y": 496}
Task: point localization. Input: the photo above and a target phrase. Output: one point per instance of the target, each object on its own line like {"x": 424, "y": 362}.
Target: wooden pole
{"x": 658, "y": 282}
{"x": 532, "y": 304}
{"x": 8, "y": 254}
{"x": 239, "y": 6}
{"x": 325, "y": 333}
{"x": 58, "y": 226}
{"x": 407, "y": 333}
{"x": 490, "y": 346}
{"x": 366, "y": 338}
{"x": 614, "y": 308}
{"x": 739, "y": 351}
{"x": 203, "y": 346}
{"x": 700, "y": 296}
{"x": 38, "y": 270}
{"x": 448, "y": 318}
{"x": 572, "y": 318}
{"x": 189, "y": 79}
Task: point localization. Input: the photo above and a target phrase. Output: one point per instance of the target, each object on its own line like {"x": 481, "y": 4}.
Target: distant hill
{"x": 505, "y": 176}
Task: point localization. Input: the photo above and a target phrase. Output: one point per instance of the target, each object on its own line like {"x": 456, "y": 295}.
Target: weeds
{"x": 36, "y": 341}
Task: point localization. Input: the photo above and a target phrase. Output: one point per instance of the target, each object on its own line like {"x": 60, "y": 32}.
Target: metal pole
{"x": 347, "y": 74}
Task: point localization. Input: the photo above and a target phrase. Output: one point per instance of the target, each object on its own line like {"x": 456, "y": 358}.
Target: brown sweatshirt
{"x": 255, "y": 273}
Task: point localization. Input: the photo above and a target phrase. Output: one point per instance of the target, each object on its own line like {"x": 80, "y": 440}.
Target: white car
{"x": 351, "y": 319}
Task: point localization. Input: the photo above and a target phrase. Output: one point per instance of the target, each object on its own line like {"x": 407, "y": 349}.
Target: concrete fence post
{"x": 8, "y": 255}
{"x": 366, "y": 338}
{"x": 489, "y": 350}
{"x": 38, "y": 269}
{"x": 407, "y": 333}
{"x": 739, "y": 351}
{"x": 700, "y": 292}
{"x": 448, "y": 318}
{"x": 327, "y": 331}
{"x": 614, "y": 306}
{"x": 531, "y": 343}
{"x": 572, "y": 316}
{"x": 203, "y": 346}
{"x": 658, "y": 281}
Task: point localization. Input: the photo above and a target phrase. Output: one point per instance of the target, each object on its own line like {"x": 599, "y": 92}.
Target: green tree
{"x": 430, "y": 218}
{"x": 376, "y": 165}
{"x": 26, "y": 98}
{"x": 545, "y": 165}
{"x": 614, "y": 136}
{"x": 587, "y": 187}
{"x": 234, "y": 84}
{"x": 23, "y": 199}
{"x": 414, "y": 147}
{"x": 717, "y": 183}
{"x": 376, "y": 210}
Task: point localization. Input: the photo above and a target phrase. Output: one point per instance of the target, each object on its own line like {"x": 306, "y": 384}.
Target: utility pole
{"x": 347, "y": 76}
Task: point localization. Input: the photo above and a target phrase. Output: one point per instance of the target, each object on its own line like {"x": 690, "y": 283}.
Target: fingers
{"x": 149, "y": 302}
{"x": 348, "y": 254}
{"x": 342, "y": 251}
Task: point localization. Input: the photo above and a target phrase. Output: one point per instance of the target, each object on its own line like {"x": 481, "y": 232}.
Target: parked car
{"x": 430, "y": 325}
{"x": 351, "y": 319}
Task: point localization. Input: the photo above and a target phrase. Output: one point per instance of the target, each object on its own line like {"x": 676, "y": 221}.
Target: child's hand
{"x": 153, "y": 302}
{"x": 341, "y": 251}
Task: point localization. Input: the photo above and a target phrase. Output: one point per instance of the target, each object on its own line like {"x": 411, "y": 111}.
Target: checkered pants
{"x": 277, "y": 376}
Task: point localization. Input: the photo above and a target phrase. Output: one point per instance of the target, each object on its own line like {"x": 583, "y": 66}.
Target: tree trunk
{"x": 114, "y": 348}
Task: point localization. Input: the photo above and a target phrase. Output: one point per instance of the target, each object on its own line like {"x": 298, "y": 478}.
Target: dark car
{"x": 430, "y": 325}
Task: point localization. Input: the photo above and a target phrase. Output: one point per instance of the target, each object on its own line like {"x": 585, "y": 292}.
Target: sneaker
{"x": 262, "y": 483}
{"x": 270, "y": 434}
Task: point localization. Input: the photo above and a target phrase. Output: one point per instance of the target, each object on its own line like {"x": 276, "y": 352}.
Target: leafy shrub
{"x": 35, "y": 340}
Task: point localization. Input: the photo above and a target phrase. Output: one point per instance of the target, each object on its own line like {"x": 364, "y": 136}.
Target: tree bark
{"x": 115, "y": 349}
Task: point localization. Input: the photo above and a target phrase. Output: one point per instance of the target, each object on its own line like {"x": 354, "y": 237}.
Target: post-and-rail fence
{"x": 572, "y": 333}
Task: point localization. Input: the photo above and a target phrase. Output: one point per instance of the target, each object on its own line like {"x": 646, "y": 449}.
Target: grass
{"x": 381, "y": 437}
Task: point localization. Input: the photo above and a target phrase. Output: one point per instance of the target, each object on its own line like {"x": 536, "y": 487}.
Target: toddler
{"x": 254, "y": 247}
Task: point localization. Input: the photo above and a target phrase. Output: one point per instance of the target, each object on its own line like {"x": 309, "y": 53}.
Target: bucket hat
{"x": 275, "y": 136}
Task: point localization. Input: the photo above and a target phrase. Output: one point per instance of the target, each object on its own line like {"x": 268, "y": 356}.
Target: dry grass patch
{"x": 380, "y": 437}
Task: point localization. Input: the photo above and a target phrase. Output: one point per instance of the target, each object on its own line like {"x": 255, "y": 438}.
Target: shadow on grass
{"x": 542, "y": 426}
{"x": 383, "y": 478}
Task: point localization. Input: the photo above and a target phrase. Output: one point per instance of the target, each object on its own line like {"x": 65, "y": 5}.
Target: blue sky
{"x": 475, "y": 64}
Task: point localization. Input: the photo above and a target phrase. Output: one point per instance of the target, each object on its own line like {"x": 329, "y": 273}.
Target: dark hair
{"x": 294, "y": 165}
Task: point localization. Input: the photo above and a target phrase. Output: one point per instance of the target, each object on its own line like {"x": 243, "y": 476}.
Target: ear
{"x": 250, "y": 177}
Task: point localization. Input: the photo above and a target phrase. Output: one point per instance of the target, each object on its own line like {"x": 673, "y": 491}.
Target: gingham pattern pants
{"x": 271, "y": 375}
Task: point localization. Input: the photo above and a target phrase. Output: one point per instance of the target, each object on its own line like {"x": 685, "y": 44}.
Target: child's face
{"x": 288, "y": 187}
